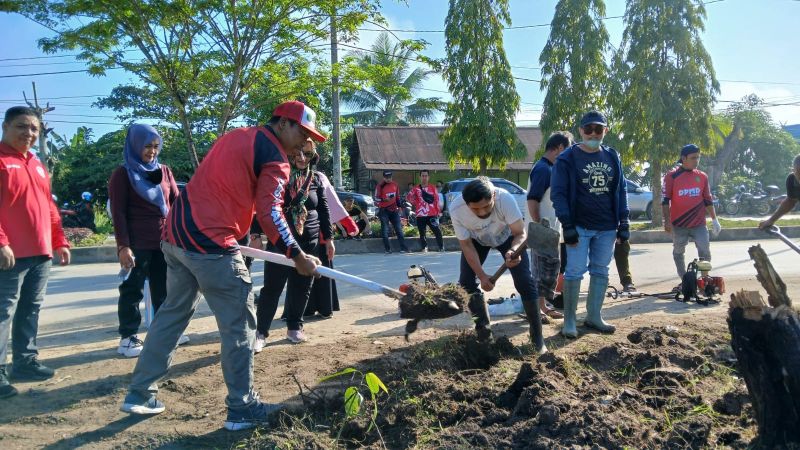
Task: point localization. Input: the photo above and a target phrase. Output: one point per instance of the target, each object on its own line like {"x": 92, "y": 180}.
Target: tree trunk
{"x": 766, "y": 342}
{"x": 483, "y": 168}
{"x": 656, "y": 179}
{"x": 723, "y": 156}
{"x": 187, "y": 133}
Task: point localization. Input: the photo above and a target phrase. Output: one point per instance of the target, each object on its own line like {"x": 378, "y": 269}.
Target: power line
{"x": 51, "y": 73}
{"x": 38, "y": 57}
{"x": 56, "y": 98}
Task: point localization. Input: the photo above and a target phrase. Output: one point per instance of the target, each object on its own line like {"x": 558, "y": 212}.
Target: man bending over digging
{"x": 486, "y": 217}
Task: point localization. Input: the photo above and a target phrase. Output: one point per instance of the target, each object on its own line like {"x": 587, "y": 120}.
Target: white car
{"x": 452, "y": 190}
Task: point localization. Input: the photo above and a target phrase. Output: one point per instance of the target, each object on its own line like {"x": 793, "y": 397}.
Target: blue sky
{"x": 753, "y": 45}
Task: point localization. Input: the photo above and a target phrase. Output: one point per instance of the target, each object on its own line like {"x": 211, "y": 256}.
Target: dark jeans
{"x": 433, "y": 222}
{"x": 22, "y": 291}
{"x": 521, "y": 274}
{"x": 392, "y": 217}
{"x": 276, "y": 277}
{"x": 621, "y": 253}
{"x": 149, "y": 264}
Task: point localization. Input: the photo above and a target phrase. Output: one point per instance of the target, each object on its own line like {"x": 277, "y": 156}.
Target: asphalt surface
{"x": 80, "y": 306}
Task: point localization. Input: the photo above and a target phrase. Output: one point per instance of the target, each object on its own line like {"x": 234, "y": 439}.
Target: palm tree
{"x": 388, "y": 87}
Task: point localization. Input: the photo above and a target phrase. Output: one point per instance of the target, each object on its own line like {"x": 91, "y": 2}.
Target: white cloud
{"x": 771, "y": 94}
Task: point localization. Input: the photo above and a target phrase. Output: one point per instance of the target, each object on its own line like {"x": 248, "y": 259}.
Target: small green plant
{"x": 102, "y": 222}
{"x": 353, "y": 399}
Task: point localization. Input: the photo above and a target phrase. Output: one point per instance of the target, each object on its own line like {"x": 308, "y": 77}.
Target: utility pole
{"x": 44, "y": 152}
{"x": 337, "y": 142}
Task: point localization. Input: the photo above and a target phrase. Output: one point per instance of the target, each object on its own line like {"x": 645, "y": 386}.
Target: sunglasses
{"x": 594, "y": 128}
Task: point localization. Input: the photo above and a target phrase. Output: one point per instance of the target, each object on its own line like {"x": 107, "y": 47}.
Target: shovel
{"x": 776, "y": 231}
{"x": 503, "y": 268}
{"x": 326, "y": 272}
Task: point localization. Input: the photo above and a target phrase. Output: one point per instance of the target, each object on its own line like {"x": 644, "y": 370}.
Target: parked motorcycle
{"x": 775, "y": 197}
{"x": 746, "y": 202}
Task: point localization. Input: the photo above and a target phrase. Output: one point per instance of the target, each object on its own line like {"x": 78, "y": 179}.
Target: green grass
{"x": 726, "y": 224}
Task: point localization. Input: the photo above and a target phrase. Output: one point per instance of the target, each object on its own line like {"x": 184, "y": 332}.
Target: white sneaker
{"x": 296, "y": 336}
{"x": 258, "y": 345}
{"x": 184, "y": 339}
{"x": 130, "y": 347}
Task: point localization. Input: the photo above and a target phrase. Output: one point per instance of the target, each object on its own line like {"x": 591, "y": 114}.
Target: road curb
{"x": 108, "y": 253}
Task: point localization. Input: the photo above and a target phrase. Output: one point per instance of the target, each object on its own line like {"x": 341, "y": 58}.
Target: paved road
{"x": 81, "y": 303}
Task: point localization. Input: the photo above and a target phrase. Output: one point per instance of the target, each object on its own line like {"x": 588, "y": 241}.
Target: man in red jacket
{"x": 246, "y": 171}
{"x": 425, "y": 199}
{"x": 388, "y": 195}
{"x": 30, "y": 228}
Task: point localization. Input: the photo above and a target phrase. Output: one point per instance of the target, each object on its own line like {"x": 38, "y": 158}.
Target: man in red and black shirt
{"x": 387, "y": 195}
{"x": 685, "y": 202}
{"x": 30, "y": 233}
{"x": 245, "y": 171}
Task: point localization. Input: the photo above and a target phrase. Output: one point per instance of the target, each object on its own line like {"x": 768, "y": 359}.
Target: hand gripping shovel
{"x": 326, "y": 272}
{"x": 776, "y": 231}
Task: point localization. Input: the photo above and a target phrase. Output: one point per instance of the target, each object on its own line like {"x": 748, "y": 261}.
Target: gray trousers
{"x": 22, "y": 291}
{"x": 225, "y": 283}
{"x": 545, "y": 271}
{"x": 680, "y": 238}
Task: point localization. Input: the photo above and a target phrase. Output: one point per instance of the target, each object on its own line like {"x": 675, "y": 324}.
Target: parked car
{"x": 640, "y": 200}
{"x": 452, "y": 190}
{"x": 365, "y": 202}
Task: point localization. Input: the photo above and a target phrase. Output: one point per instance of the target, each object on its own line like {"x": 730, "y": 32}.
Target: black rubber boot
{"x": 480, "y": 314}
{"x": 535, "y": 325}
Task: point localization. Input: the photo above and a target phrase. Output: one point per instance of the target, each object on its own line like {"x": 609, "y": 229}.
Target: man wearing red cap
{"x": 245, "y": 171}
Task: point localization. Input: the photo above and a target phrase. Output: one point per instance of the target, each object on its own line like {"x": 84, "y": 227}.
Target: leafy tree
{"x": 668, "y": 82}
{"x": 574, "y": 71}
{"x": 480, "y": 120}
{"x": 385, "y": 85}
{"x": 195, "y": 62}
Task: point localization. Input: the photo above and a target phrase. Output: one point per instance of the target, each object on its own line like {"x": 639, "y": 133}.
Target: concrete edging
{"x": 108, "y": 253}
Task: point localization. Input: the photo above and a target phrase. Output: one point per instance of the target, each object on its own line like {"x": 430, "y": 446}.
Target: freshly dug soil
{"x": 433, "y": 302}
{"x": 656, "y": 388}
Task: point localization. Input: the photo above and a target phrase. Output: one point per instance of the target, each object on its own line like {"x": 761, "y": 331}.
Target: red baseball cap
{"x": 301, "y": 114}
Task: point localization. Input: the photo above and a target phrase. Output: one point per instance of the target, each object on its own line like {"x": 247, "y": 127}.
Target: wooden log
{"x": 766, "y": 341}
{"x": 769, "y": 278}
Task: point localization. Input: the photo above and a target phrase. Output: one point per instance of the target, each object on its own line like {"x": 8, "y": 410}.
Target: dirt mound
{"x": 654, "y": 390}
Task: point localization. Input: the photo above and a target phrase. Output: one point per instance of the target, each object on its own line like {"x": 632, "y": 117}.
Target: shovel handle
{"x": 776, "y": 231}
{"x": 503, "y": 268}
{"x": 326, "y": 272}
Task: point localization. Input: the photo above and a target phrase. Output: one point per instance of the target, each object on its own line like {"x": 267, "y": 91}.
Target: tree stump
{"x": 766, "y": 341}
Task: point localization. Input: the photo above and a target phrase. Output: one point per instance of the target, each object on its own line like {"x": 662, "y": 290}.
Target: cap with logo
{"x": 301, "y": 114}
{"x": 387, "y": 173}
{"x": 593, "y": 117}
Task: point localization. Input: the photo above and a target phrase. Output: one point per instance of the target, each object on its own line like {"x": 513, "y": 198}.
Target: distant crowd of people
{"x": 258, "y": 186}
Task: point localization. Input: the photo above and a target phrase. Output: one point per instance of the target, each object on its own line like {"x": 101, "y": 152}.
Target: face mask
{"x": 593, "y": 144}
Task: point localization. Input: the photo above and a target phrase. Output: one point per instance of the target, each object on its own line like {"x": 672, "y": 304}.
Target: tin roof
{"x": 409, "y": 148}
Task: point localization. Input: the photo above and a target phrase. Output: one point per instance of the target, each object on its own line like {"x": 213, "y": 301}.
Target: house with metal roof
{"x": 407, "y": 150}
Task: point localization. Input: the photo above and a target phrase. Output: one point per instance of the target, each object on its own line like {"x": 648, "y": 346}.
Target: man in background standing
{"x": 387, "y": 195}
{"x": 546, "y": 260}
{"x": 426, "y": 204}
{"x": 685, "y": 202}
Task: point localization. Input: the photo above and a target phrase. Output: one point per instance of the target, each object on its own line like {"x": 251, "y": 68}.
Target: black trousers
{"x": 422, "y": 224}
{"x": 149, "y": 264}
{"x": 298, "y": 289}
{"x": 324, "y": 298}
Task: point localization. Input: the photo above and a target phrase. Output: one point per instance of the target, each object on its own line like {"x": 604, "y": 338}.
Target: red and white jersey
{"x": 421, "y": 207}
{"x": 687, "y": 193}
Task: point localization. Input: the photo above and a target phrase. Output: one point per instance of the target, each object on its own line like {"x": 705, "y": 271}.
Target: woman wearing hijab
{"x": 306, "y": 210}
{"x": 141, "y": 192}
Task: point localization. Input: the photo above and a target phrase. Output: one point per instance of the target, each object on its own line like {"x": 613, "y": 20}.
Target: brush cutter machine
{"x": 696, "y": 285}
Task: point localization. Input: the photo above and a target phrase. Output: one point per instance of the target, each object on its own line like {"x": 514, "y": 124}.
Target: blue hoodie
{"x": 564, "y": 189}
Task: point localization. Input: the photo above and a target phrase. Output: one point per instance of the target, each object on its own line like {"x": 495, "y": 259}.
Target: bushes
{"x": 84, "y": 237}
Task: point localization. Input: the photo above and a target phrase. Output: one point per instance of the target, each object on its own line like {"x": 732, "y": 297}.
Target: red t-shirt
{"x": 387, "y": 195}
{"x": 246, "y": 170}
{"x": 29, "y": 220}
{"x": 687, "y": 193}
